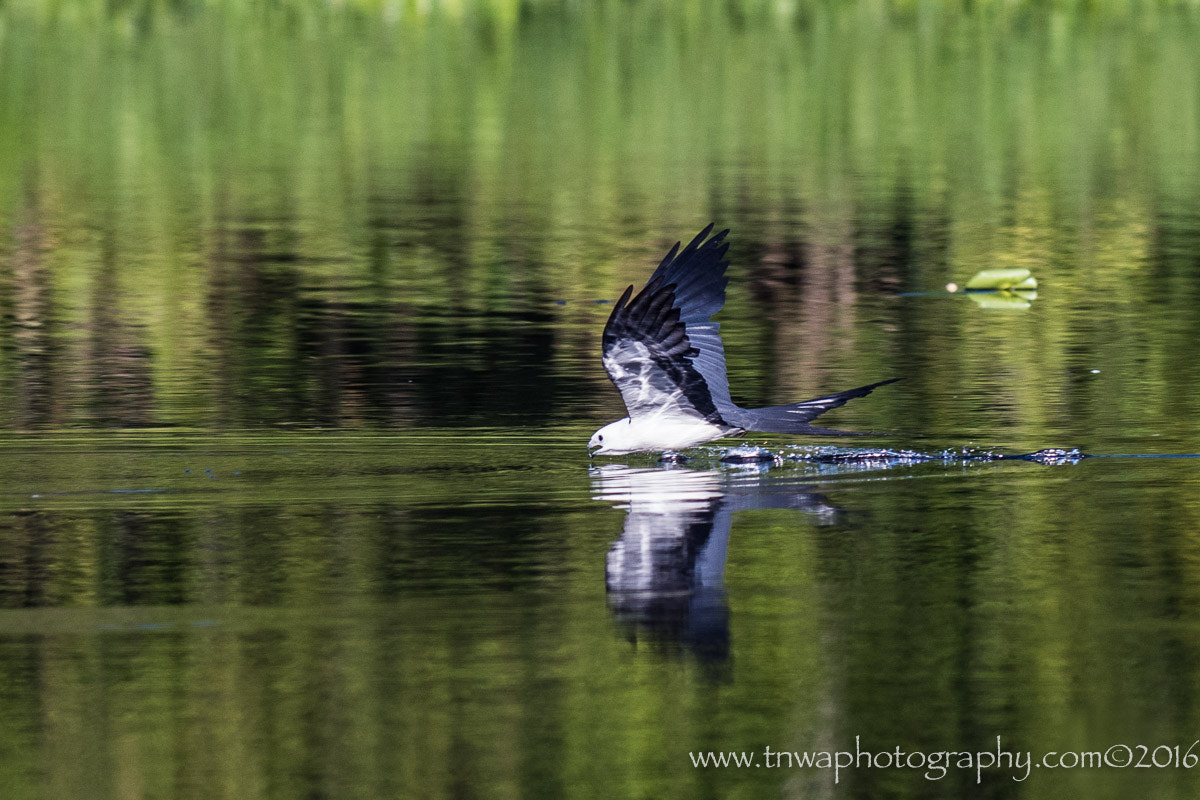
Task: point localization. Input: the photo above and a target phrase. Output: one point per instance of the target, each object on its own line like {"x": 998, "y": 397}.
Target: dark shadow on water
{"x": 665, "y": 574}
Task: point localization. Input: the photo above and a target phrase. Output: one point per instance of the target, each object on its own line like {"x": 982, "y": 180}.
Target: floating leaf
{"x": 1002, "y": 279}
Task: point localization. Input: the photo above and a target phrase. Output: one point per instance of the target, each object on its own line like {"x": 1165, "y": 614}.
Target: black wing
{"x": 648, "y": 355}
{"x": 698, "y": 274}
{"x": 691, "y": 283}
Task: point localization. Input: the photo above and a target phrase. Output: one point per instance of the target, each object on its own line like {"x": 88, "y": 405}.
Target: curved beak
{"x": 592, "y": 450}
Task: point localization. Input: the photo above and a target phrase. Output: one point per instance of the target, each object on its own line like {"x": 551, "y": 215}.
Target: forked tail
{"x": 794, "y": 417}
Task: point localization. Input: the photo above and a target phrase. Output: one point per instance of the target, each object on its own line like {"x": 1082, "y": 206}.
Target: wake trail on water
{"x": 890, "y": 457}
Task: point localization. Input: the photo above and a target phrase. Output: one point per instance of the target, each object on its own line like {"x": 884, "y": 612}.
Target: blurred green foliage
{"x": 236, "y": 214}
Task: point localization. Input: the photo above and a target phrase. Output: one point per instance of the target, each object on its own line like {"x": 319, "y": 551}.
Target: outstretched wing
{"x": 698, "y": 274}
{"x": 648, "y": 355}
{"x": 664, "y": 352}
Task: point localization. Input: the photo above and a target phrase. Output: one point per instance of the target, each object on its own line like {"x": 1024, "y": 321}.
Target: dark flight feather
{"x": 648, "y": 356}
{"x": 662, "y": 347}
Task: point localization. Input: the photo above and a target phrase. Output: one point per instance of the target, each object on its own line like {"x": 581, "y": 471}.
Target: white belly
{"x": 658, "y": 434}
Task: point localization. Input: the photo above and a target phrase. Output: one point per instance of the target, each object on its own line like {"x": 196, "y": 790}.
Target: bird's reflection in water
{"x": 665, "y": 575}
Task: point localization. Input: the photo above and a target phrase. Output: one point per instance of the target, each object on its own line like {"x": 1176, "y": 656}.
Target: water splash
{"x": 858, "y": 458}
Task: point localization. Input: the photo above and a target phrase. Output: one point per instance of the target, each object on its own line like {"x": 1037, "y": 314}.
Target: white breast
{"x": 656, "y": 433}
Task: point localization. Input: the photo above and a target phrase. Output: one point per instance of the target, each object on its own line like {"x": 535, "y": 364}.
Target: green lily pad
{"x": 1018, "y": 279}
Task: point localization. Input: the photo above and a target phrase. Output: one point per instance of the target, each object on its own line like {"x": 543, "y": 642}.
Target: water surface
{"x": 299, "y": 322}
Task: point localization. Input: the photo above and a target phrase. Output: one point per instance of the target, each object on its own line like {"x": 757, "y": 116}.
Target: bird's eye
{"x": 601, "y": 438}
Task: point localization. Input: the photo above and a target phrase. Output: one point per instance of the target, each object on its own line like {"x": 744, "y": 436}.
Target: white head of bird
{"x": 610, "y": 439}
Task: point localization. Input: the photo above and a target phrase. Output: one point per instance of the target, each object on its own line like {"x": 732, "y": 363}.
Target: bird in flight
{"x": 664, "y": 354}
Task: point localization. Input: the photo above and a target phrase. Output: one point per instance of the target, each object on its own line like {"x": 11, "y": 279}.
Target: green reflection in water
{"x": 240, "y": 216}
{"x": 366, "y": 617}
{"x": 233, "y": 217}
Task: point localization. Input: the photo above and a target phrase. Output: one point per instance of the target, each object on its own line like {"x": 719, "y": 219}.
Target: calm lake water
{"x": 299, "y": 327}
